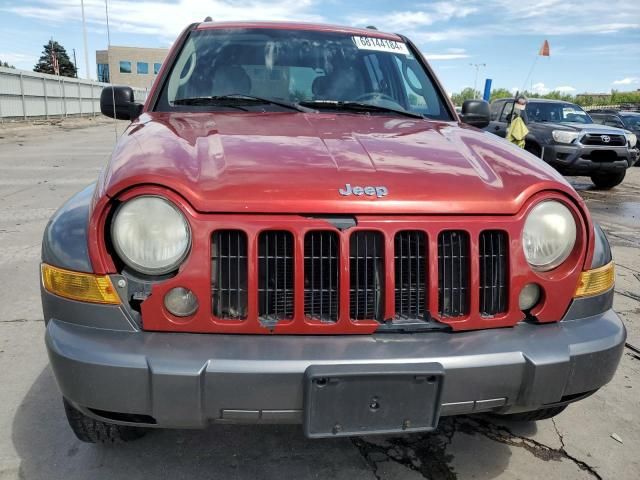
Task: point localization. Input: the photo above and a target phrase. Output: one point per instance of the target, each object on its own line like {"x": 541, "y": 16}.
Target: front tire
{"x": 606, "y": 181}
{"x": 542, "y": 414}
{"x": 90, "y": 430}
{"x": 534, "y": 149}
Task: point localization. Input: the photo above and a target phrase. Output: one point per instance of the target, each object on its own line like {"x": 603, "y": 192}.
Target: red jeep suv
{"x": 297, "y": 227}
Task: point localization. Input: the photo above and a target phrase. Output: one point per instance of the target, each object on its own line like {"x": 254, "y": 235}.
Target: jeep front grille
{"x": 493, "y": 272}
{"x": 321, "y": 275}
{"x": 453, "y": 273}
{"x": 379, "y": 273}
{"x": 275, "y": 275}
{"x": 229, "y": 274}
{"x": 410, "y": 252}
{"x": 366, "y": 266}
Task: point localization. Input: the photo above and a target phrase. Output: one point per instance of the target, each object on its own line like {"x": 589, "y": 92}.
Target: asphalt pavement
{"x": 41, "y": 166}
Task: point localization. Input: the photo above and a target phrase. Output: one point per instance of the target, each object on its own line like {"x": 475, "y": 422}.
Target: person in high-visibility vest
{"x": 517, "y": 130}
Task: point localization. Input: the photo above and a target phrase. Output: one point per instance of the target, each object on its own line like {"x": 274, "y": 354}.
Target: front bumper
{"x": 187, "y": 380}
{"x": 586, "y": 160}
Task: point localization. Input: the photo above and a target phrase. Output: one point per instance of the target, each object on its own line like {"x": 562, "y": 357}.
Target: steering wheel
{"x": 376, "y": 96}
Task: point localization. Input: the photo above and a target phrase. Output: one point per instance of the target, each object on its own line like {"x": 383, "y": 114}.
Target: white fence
{"x": 28, "y": 95}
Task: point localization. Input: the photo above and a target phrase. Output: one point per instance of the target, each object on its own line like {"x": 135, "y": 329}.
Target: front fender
{"x": 65, "y": 242}
{"x": 602, "y": 250}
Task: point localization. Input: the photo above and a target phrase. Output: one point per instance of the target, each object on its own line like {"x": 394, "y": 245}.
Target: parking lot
{"x": 41, "y": 166}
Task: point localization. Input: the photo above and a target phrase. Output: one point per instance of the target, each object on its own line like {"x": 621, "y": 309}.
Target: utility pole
{"x": 75, "y": 63}
{"x": 477, "y": 66}
{"x": 86, "y": 48}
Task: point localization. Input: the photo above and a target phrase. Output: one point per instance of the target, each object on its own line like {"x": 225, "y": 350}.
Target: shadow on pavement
{"x": 49, "y": 450}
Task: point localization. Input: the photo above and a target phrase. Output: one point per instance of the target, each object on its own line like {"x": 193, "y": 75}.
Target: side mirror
{"x": 476, "y": 113}
{"x": 118, "y": 102}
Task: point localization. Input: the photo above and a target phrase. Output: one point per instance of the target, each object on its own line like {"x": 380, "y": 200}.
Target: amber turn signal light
{"x": 596, "y": 281}
{"x": 84, "y": 287}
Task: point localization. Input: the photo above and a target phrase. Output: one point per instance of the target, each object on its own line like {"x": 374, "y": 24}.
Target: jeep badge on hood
{"x": 379, "y": 192}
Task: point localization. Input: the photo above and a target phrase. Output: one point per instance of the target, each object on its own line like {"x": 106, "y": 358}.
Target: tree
{"x": 466, "y": 94}
{"x": 6, "y": 64}
{"x": 616, "y": 97}
{"x": 500, "y": 93}
{"x": 45, "y": 64}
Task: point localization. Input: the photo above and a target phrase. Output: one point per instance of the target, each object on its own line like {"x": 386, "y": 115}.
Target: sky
{"x": 595, "y": 44}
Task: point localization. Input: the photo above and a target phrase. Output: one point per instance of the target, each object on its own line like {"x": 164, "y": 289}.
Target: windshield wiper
{"x": 235, "y": 100}
{"x": 358, "y": 107}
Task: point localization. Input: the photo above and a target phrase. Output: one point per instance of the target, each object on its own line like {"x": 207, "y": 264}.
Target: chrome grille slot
{"x": 493, "y": 272}
{"x": 321, "y": 275}
{"x": 275, "y": 275}
{"x": 453, "y": 273}
{"x": 410, "y": 274}
{"x": 366, "y": 265}
{"x": 229, "y": 274}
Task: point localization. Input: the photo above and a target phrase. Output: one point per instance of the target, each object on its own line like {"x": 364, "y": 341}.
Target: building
{"x": 132, "y": 66}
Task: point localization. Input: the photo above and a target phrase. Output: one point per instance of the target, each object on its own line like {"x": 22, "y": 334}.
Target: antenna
{"x": 208, "y": 19}
{"x": 113, "y": 92}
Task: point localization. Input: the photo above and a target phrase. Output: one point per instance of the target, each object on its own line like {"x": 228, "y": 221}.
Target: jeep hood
{"x": 296, "y": 163}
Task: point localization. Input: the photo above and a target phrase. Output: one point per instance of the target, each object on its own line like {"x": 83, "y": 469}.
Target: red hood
{"x": 296, "y": 163}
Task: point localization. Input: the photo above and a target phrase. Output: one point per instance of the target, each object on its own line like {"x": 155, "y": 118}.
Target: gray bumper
{"x": 579, "y": 160}
{"x": 187, "y": 380}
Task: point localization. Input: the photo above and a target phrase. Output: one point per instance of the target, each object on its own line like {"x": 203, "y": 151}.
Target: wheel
{"x": 542, "y": 414}
{"x": 605, "y": 181}
{"x": 90, "y": 430}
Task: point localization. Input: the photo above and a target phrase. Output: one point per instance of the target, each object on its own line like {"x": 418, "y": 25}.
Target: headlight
{"x": 151, "y": 235}
{"x": 549, "y": 235}
{"x": 631, "y": 138}
{"x": 564, "y": 136}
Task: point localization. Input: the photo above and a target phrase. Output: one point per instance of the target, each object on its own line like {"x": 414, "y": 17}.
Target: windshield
{"x": 556, "y": 112}
{"x": 632, "y": 122}
{"x": 297, "y": 66}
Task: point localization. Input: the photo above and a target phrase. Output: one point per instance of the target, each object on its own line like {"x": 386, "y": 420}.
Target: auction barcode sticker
{"x": 380, "y": 44}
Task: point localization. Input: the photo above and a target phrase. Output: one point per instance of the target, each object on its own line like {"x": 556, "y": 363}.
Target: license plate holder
{"x": 348, "y": 400}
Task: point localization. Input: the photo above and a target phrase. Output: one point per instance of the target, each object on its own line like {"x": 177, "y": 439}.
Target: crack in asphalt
{"x": 581, "y": 464}
{"x": 637, "y": 272}
{"x": 427, "y": 454}
{"x": 631, "y": 242}
{"x": 630, "y": 295}
{"x": 423, "y": 453}
{"x": 22, "y": 320}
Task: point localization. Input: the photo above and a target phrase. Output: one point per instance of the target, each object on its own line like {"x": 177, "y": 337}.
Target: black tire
{"x": 542, "y": 414}
{"x": 90, "y": 430}
{"x": 534, "y": 149}
{"x": 605, "y": 181}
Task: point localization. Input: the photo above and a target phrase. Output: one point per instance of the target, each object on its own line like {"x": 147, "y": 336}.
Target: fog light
{"x": 181, "y": 302}
{"x": 529, "y": 296}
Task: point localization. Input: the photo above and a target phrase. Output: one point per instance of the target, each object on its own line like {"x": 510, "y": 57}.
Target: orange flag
{"x": 544, "y": 49}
